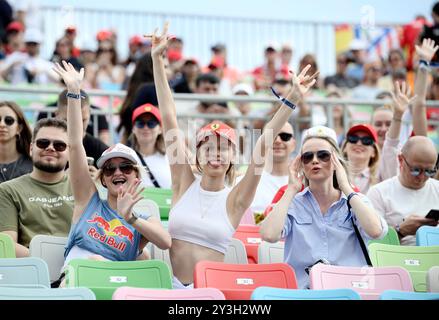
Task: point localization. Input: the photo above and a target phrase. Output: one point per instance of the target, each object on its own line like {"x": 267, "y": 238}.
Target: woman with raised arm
{"x": 105, "y": 229}
{"x": 205, "y": 210}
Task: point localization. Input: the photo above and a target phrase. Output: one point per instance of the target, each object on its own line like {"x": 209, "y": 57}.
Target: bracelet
{"x": 424, "y": 62}
{"x": 351, "y": 195}
{"x": 285, "y": 101}
{"x": 75, "y": 95}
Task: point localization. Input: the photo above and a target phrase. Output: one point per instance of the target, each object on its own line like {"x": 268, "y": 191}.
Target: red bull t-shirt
{"x": 102, "y": 231}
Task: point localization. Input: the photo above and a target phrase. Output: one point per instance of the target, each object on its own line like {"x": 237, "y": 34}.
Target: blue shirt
{"x": 310, "y": 235}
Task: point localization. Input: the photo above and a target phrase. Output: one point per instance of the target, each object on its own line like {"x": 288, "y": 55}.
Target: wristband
{"x": 424, "y": 62}
{"x": 74, "y": 95}
{"x": 285, "y": 101}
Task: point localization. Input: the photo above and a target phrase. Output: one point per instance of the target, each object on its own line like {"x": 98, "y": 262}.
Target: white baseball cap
{"x": 243, "y": 87}
{"x": 33, "y": 35}
{"x": 118, "y": 151}
{"x": 320, "y": 132}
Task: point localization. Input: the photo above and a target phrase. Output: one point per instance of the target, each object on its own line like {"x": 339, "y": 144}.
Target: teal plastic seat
{"x": 103, "y": 277}
{"x": 268, "y": 293}
{"x": 390, "y": 238}
{"x": 404, "y": 295}
{"x": 24, "y": 272}
{"x": 7, "y": 246}
{"x": 427, "y": 236}
{"x": 8, "y": 293}
{"x": 162, "y": 197}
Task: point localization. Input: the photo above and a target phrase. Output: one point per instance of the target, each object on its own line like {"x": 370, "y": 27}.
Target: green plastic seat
{"x": 104, "y": 277}
{"x": 162, "y": 197}
{"x": 390, "y": 238}
{"x": 415, "y": 259}
{"x": 7, "y": 246}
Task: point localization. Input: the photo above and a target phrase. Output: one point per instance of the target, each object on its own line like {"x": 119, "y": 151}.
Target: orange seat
{"x": 249, "y": 235}
{"x": 237, "y": 281}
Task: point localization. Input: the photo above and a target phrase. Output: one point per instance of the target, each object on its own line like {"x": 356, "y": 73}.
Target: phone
{"x": 90, "y": 161}
{"x": 433, "y": 214}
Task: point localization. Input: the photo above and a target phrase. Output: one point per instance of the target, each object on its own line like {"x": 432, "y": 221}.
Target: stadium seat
{"x": 271, "y": 252}
{"x": 433, "y": 279}
{"x": 51, "y": 250}
{"x": 367, "y": 281}
{"x": 128, "y": 293}
{"x": 8, "y": 293}
{"x": 162, "y": 255}
{"x": 267, "y": 293}
{"x": 7, "y": 246}
{"x": 249, "y": 235}
{"x": 103, "y": 277}
{"x": 237, "y": 281}
{"x": 404, "y": 295}
{"x": 162, "y": 197}
{"x": 147, "y": 206}
{"x": 390, "y": 238}
{"x": 24, "y": 272}
{"x": 236, "y": 252}
{"x": 427, "y": 236}
{"x": 416, "y": 260}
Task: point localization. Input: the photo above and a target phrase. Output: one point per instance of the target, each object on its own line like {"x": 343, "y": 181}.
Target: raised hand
{"x": 427, "y": 50}
{"x": 400, "y": 98}
{"x": 160, "y": 42}
{"x": 342, "y": 177}
{"x": 126, "y": 199}
{"x": 295, "y": 177}
{"x": 301, "y": 84}
{"x": 72, "y": 78}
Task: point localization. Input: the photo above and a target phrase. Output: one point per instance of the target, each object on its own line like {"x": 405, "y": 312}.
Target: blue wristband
{"x": 283, "y": 100}
{"x": 74, "y": 95}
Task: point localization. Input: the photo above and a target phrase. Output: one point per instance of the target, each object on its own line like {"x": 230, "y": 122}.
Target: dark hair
{"x": 435, "y": 9}
{"x": 114, "y": 58}
{"x": 25, "y": 136}
{"x": 49, "y": 122}
{"x": 207, "y": 77}
{"x": 62, "y": 99}
{"x": 281, "y": 81}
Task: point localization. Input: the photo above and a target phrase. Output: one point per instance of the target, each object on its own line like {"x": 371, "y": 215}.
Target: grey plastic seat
{"x": 15, "y": 293}
{"x": 24, "y": 271}
{"x": 271, "y": 252}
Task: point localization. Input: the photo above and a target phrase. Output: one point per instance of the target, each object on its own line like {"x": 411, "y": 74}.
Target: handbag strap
{"x": 360, "y": 238}
{"x": 151, "y": 176}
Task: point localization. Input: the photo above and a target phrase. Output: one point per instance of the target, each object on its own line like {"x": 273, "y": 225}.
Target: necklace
{"x": 4, "y": 169}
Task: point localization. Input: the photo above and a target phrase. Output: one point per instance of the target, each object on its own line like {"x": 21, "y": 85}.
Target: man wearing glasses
{"x": 40, "y": 202}
{"x": 406, "y": 199}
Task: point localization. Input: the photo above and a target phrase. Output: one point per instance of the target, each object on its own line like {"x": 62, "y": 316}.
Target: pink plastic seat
{"x": 129, "y": 293}
{"x": 367, "y": 281}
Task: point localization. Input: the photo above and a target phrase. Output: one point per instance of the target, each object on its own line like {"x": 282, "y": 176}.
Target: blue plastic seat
{"x": 268, "y": 293}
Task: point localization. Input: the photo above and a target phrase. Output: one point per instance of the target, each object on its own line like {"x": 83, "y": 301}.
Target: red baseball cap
{"x": 146, "y": 108}
{"x": 15, "y": 26}
{"x": 104, "y": 35}
{"x": 365, "y": 128}
{"x": 136, "y": 40}
{"x": 216, "y": 128}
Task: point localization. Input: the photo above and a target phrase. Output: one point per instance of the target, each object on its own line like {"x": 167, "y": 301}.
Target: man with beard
{"x": 40, "y": 202}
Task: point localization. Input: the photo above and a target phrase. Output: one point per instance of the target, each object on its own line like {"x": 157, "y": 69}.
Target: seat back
{"x": 163, "y": 199}
{"x": 249, "y": 235}
{"x": 433, "y": 279}
{"x": 15, "y": 293}
{"x": 416, "y": 260}
{"x": 267, "y": 293}
{"x": 427, "y": 236}
{"x": 367, "y": 281}
{"x": 103, "y": 277}
{"x": 24, "y": 272}
{"x": 128, "y": 293}
{"x": 51, "y": 250}
{"x": 237, "y": 281}
{"x": 236, "y": 252}
{"x": 271, "y": 252}
{"x": 162, "y": 255}
{"x": 404, "y": 295}
{"x": 7, "y": 246}
{"x": 390, "y": 238}
{"x": 147, "y": 206}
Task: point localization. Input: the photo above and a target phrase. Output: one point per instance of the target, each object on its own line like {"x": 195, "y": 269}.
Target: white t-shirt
{"x": 159, "y": 165}
{"x": 268, "y": 186}
{"x": 394, "y": 202}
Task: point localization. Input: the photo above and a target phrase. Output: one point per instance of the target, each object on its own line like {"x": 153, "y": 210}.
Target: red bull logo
{"x": 100, "y": 222}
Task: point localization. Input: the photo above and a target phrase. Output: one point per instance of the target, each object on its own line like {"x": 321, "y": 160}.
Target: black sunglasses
{"x": 151, "y": 123}
{"x": 9, "y": 121}
{"x": 366, "y": 141}
{"x": 285, "y": 136}
{"x": 415, "y": 172}
{"x": 124, "y": 167}
{"x": 322, "y": 155}
{"x": 58, "y": 145}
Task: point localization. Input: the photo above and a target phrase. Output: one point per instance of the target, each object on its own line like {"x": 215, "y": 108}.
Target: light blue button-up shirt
{"x": 310, "y": 235}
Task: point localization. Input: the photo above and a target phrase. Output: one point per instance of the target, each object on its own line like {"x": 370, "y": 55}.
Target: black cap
{"x": 218, "y": 47}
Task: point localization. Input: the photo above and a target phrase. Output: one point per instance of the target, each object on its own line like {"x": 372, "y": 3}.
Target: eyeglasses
{"x": 366, "y": 141}
{"x": 58, "y": 145}
{"x": 285, "y": 136}
{"x": 322, "y": 155}
{"x": 151, "y": 124}
{"x": 9, "y": 121}
{"x": 415, "y": 172}
{"x": 124, "y": 167}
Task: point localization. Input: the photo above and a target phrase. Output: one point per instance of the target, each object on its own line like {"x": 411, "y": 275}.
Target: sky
{"x": 384, "y": 11}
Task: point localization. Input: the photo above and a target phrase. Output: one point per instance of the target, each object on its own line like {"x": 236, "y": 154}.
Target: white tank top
{"x": 200, "y": 217}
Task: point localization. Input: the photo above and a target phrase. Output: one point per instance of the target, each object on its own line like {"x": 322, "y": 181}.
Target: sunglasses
{"x": 322, "y": 155}
{"x": 366, "y": 141}
{"x": 415, "y": 172}
{"x": 9, "y": 121}
{"x": 151, "y": 124}
{"x": 124, "y": 167}
{"x": 58, "y": 145}
{"x": 285, "y": 136}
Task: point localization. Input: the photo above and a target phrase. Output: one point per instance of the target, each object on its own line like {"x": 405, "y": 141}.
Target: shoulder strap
{"x": 360, "y": 238}
{"x": 151, "y": 176}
